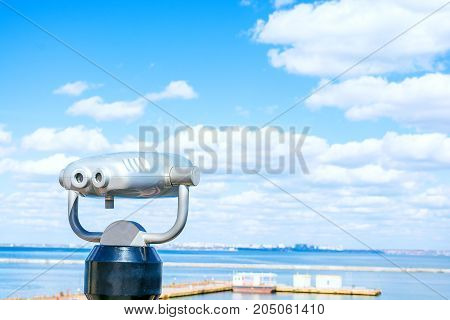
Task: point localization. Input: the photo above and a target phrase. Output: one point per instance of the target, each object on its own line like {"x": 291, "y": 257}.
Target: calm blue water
{"x": 27, "y": 280}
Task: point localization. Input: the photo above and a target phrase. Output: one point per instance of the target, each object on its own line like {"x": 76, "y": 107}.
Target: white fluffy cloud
{"x": 326, "y": 37}
{"x": 5, "y": 141}
{"x": 51, "y": 165}
{"x": 397, "y": 151}
{"x": 367, "y": 175}
{"x": 5, "y": 136}
{"x": 77, "y": 138}
{"x": 6, "y": 150}
{"x": 179, "y": 89}
{"x": 395, "y": 159}
{"x": 364, "y": 186}
{"x": 96, "y": 108}
{"x": 74, "y": 88}
{"x": 418, "y": 101}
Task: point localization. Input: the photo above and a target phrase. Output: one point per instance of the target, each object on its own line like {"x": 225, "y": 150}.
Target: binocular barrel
{"x": 132, "y": 175}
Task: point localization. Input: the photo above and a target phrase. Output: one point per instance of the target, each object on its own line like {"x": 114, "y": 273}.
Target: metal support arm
{"x": 149, "y": 238}
{"x": 182, "y": 214}
{"x": 75, "y": 223}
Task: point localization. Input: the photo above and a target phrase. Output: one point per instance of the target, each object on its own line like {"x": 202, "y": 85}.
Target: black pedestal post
{"x": 123, "y": 273}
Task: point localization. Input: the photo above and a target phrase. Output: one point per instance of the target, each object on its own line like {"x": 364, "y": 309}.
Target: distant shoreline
{"x": 302, "y": 248}
{"x": 242, "y": 266}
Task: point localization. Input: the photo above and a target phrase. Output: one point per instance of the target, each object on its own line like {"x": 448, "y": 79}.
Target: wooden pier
{"x": 180, "y": 290}
{"x": 171, "y": 291}
{"x": 194, "y": 288}
{"x": 340, "y": 291}
{"x": 205, "y": 287}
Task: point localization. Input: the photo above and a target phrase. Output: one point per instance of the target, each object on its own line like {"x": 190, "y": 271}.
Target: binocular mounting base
{"x": 123, "y": 273}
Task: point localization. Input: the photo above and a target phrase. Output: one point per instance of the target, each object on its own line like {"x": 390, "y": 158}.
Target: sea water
{"x": 36, "y": 279}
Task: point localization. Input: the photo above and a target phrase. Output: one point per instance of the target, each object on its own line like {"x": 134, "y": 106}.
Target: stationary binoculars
{"x": 124, "y": 265}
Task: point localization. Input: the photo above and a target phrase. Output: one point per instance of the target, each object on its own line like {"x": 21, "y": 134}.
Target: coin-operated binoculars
{"x": 124, "y": 265}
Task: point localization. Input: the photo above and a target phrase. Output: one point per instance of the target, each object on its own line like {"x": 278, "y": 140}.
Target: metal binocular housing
{"x": 130, "y": 175}
{"x": 124, "y": 265}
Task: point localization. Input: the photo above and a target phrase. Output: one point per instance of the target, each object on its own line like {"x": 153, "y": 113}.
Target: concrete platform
{"x": 340, "y": 291}
{"x": 195, "y": 288}
{"x": 180, "y": 290}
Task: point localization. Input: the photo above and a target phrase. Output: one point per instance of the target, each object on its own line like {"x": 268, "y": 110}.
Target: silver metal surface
{"x": 182, "y": 214}
{"x": 189, "y": 176}
{"x": 123, "y": 233}
{"x": 75, "y": 223}
{"x": 129, "y": 174}
{"x": 132, "y": 175}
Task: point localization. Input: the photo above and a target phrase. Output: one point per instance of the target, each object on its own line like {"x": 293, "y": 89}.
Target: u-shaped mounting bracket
{"x": 148, "y": 237}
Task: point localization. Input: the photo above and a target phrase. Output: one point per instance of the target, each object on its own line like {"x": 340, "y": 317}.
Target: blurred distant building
{"x": 302, "y": 281}
{"x": 328, "y": 282}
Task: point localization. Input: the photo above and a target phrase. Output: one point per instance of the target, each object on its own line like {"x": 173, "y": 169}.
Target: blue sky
{"x": 378, "y": 148}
